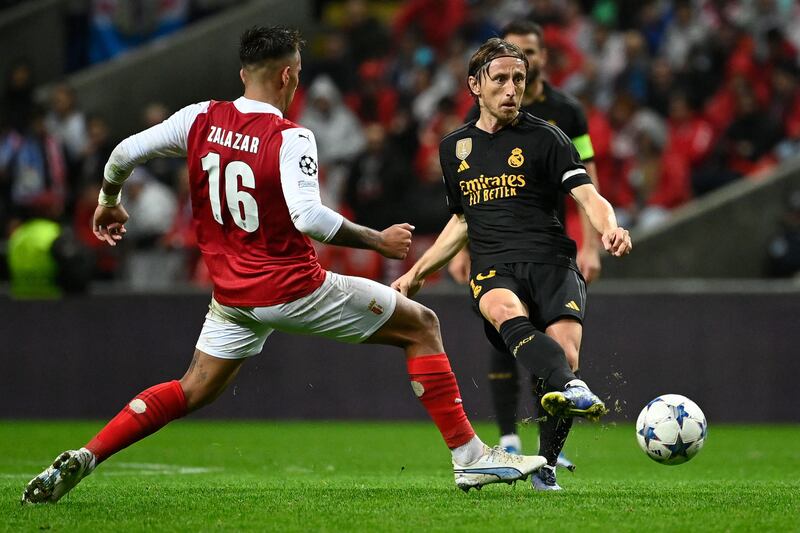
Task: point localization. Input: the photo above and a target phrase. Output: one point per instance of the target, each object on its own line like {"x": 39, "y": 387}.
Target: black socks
{"x": 553, "y": 431}
{"x": 541, "y": 355}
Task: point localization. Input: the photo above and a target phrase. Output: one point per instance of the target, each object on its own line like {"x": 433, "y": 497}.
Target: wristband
{"x": 107, "y": 200}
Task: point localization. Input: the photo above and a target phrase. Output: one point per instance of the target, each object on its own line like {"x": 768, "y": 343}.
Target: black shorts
{"x": 549, "y": 291}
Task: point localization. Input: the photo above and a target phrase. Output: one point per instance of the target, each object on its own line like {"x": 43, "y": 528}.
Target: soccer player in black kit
{"x": 503, "y": 173}
{"x": 544, "y": 101}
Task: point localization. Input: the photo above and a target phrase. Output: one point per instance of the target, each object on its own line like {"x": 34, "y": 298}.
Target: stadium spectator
{"x": 659, "y": 179}
{"x": 374, "y": 100}
{"x": 546, "y": 13}
{"x": 17, "y": 103}
{"x": 181, "y": 237}
{"x": 743, "y": 147}
{"x": 36, "y": 171}
{"x": 784, "y": 107}
{"x": 421, "y": 200}
{"x": 783, "y": 252}
{"x": 335, "y": 126}
{"x": 334, "y": 61}
{"x": 66, "y": 123}
{"x": 152, "y": 205}
{"x": 564, "y": 60}
{"x": 633, "y": 78}
{"x": 118, "y": 26}
{"x": 683, "y": 33}
{"x": 688, "y": 133}
{"x": 340, "y": 135}
{"x": 427, "y": 17}
{"x": 164, "y": 169}
{"x": 661, "y": 84}
{"x": 607, "y": 54}
{"x": 577, "y": 28}
{"x": 376, "y": 179}
{"x": 367, "y": 36}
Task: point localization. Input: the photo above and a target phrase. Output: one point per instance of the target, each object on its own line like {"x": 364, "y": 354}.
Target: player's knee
{"x": 429, "y": 322}
{"x": 497, "y": 314}
{"x": 426, "y": 327}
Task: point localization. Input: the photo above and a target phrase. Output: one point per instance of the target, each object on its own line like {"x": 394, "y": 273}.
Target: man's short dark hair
{"x": 523, "y": 27}
{"x": 259, "y": 44}
{"x": 490, "y": 50}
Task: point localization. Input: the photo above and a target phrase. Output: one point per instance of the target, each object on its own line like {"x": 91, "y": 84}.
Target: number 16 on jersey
{"x": 241, "y": 204}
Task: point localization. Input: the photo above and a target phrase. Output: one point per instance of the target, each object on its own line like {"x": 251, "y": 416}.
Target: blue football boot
{"x": 576, "y": 400}
{"x": 545, "y": 479}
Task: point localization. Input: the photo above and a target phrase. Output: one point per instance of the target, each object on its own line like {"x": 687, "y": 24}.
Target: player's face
{"x": 501, "y": 88}
{"x": 537, "y": 57}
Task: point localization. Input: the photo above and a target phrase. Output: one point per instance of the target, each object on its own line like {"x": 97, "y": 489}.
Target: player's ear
{"x": 285, "y": 78}
{"x": 543, "y": 55}
{"x": 242, "y": 76}
{"x": 474, "y": 86}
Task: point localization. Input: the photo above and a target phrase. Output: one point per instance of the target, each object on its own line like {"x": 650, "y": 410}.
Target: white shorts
{"x": 344, "y": 308}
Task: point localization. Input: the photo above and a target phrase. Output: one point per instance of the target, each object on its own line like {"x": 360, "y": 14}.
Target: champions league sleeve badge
{"x": 308, "y": 166}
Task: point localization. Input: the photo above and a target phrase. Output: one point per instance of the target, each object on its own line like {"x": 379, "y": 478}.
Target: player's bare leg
{"x": 415, "y": 328}
{"x": 206, "y": 378}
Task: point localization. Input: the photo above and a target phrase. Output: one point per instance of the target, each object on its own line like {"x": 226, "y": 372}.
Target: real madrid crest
{"x": 464, "y": 148}
{"x": 516, "y": 158}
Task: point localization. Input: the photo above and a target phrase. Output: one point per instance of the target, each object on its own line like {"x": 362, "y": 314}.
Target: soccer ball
{"x": 671, "y": 429}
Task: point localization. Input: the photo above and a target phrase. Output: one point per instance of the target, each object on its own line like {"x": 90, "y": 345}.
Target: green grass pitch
{"x": 343, "y": 476}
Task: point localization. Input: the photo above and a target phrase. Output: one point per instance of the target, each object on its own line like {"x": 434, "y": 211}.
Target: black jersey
{"x": 562, "y": 110}
{"x": 507, "y": 185}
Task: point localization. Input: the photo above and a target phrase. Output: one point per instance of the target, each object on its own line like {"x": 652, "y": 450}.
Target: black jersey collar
{"x": 474, "y": 124}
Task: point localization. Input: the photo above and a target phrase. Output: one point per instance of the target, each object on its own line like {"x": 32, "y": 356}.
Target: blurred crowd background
{"x": 682, "y": 97}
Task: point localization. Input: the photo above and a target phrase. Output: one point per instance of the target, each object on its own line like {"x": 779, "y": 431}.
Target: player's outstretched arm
{"x": 616, "y": 240}
{"x": 393, "y": 242}
{"x": 452, "y": 239}
{"x": 589, "y": 253}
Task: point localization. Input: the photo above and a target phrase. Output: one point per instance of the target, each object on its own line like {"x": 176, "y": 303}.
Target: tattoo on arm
{"x": 355, "y": 236}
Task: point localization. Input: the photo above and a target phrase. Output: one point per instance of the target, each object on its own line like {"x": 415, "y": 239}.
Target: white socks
{"x": 468, "y": 453}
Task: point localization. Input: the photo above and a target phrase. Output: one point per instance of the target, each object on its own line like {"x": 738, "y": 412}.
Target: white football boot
{"x": 66, "y": 471}
{"x": 494, "y": 466}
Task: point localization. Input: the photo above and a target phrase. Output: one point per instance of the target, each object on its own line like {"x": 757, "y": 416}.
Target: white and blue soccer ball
{"x": 671, "y": 429}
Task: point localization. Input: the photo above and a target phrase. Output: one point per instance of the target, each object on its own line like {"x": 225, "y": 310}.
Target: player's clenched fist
{"x": 396, "y": 241}
{"x": 617, "y": 242}
{"x": 108, "y": 223}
